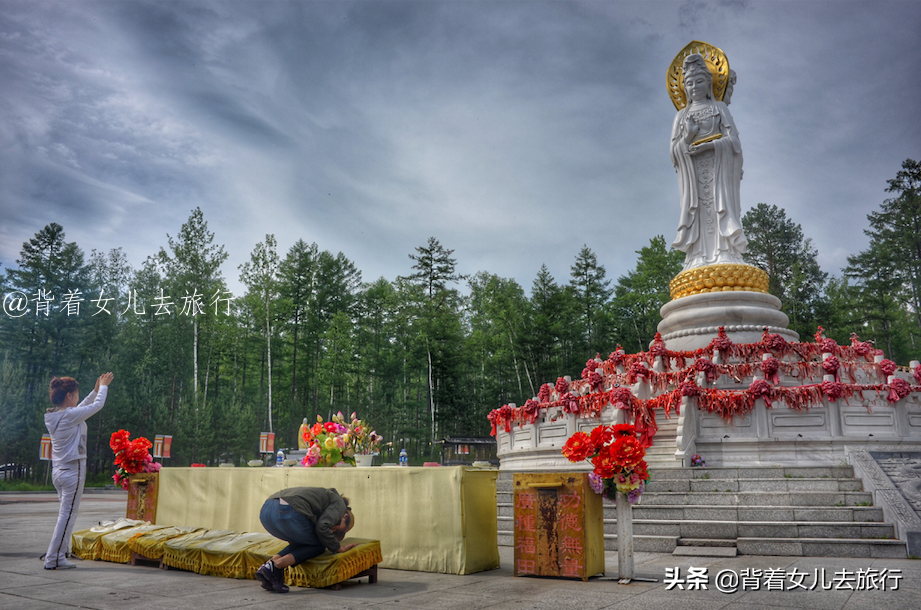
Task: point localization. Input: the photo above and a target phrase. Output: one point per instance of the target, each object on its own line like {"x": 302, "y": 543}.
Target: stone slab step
{"x": 721, "y": 485}
{"x": 717, "y": 542}
{"x": 661, "y": 449}
{"x": 806, "y": 547}
{"x": 663, "y": 464}
{"x": 823, "y": 547}
{"x": 741, "y": 514}
{"x": 705, "y": 551}
{"x": 644, "y": 544}
{"x": 858, "y": 514}
{"x": 730, "y": 530}
{"x": 758, "y": 498}
{"x": 762, "y": 472}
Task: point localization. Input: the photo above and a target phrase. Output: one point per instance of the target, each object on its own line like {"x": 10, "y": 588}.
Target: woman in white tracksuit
{"x": 66, "y": 422}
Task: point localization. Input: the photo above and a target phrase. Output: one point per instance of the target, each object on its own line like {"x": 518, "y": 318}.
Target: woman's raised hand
{"x": 104, "y": 379}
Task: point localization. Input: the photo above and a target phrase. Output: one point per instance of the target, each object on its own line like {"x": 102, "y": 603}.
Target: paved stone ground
{"x": 26, "y": 521}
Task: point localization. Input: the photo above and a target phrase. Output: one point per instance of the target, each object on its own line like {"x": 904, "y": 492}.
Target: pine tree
{"x": 641, "y": 293}
{"x": 592, "y": 292}
{"x": 777, "y": 245}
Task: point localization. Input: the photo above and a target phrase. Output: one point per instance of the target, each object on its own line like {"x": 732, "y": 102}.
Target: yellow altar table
{"x": 427, "y": 519}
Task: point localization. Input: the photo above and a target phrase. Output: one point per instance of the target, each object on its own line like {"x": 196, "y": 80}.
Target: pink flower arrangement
{"x": 328, "y": 443}
{"x": 338, "y": 440}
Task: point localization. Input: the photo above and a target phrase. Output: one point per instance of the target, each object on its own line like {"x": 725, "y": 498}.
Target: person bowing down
{"x": 311, "y": 520}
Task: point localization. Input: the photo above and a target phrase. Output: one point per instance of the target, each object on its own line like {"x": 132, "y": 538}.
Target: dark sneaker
{"x": 269, "y": 579}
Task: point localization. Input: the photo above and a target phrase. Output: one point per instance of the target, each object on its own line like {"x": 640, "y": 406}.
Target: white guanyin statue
{"x": 707, "y": 155}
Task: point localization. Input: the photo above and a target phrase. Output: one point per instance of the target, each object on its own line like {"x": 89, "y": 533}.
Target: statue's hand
{"x": 694, "y": 150}
{"x": 692, "y": 128}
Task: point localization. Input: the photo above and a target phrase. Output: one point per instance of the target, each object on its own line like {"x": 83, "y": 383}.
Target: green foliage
{"x": 887, "y": 275}
{"x": 777, "y": 245}
{"x": 591, "y": 292}
{"x": 19, "y": 485}
{"x": 640, "y": 294}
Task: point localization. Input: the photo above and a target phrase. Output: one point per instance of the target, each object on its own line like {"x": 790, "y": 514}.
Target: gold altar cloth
{"x": 115, "y": 547}
{"x": 150, "y": 545}
{"x": 184, "y": 552}
{"x": 227, "y": 556}
{"x": 427, "y": 519}
{"x": 331, "y": 568}
{"x": 87, "y": 544}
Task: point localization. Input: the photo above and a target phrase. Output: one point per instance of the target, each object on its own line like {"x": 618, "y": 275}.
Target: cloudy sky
{"x": 514, "y": 132}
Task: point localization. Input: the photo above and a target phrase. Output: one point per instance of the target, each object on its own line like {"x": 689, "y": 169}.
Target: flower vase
{"x": 364, "y": 460}
{"x": 624, "y": 538}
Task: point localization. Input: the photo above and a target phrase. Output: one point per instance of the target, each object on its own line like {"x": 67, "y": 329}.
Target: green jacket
{"x": 324, "y": 507}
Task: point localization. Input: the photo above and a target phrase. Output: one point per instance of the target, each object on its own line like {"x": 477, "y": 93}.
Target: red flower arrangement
{"x": 617, "y": 457}
{"x": 131, "y": 457}
{"x": 578, "y": 447}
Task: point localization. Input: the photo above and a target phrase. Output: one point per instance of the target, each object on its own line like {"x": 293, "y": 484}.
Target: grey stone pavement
{"x": 26, "y": 521}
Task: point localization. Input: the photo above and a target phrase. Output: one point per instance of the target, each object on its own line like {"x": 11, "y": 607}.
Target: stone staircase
{"x": 662, "y": 453}
{"x": 794, "y": 511}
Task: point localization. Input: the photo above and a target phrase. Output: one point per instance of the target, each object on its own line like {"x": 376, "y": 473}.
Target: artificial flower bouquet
{"x": 617, "y": 456}
{"x": 365, "y": 441}
{"x": 697, "y": 461}
{"x": 328, "y": 443}
{"x": 131, "y": 457}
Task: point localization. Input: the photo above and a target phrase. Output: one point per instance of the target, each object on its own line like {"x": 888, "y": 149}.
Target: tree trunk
{"x": 195, "y": 359}
{"x": 268, "y": 343}
{"x": 431, "y": 391}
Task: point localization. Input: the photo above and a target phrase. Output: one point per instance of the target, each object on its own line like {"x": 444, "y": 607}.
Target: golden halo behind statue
{"x": 715, "y": 59}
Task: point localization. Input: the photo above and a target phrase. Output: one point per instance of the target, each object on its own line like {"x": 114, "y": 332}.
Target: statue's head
{"x": 698, "y": 81}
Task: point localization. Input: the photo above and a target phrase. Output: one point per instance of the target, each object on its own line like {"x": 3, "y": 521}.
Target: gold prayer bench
{"x": 223, "y": 553}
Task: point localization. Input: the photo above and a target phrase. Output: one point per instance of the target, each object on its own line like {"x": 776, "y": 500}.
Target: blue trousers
{"x": 285, "y": 523}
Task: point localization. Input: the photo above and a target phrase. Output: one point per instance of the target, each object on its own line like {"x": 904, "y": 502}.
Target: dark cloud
{"x": 512, "y": 131}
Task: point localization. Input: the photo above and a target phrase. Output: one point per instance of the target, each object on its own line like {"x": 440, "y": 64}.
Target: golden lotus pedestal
{"x": 718, "y": 278}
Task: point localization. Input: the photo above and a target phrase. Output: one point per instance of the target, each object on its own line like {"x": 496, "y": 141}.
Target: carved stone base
{"x": 898, "y": 498}
{"x": 693, "y": 321}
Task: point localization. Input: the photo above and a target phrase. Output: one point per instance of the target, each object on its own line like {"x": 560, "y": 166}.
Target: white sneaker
{"x": 62, "y": 565}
